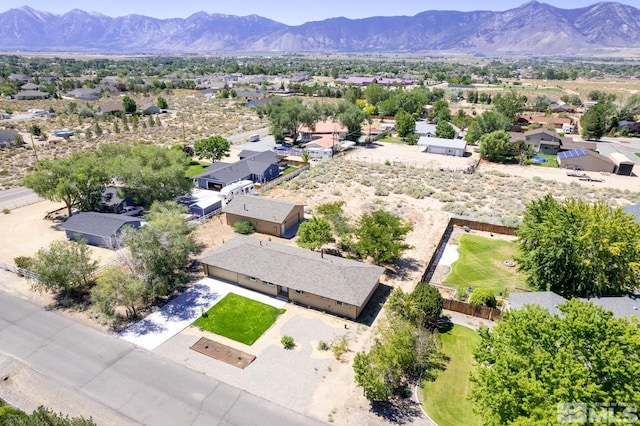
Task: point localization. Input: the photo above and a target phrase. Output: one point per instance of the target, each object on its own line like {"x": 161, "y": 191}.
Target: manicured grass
{"x": 238, "y": 318}
{"x": 288, "y": 170}
{"x": 195, "y": 168}
{"x": 445, "y": 399}
{"x": 392, "y": 139}
{"x": 552, "y": 161}
{"x": 481, "y": 264}
{"x": 637, "y": 154}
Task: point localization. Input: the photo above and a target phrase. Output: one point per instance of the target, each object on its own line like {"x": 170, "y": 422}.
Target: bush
{"x": 340, "y": 346}
{"x": 287, "y": 342}
{"x": 244, "y": 227}
{"x": 323, "y": 346}
{"x": 23, "y": 262}
{"x": 483, "y": 296}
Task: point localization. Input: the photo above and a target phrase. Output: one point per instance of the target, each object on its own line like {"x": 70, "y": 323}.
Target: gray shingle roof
{"x": 99, "y": 224}
{"x": 340, "y": 279}
{"x": 620, "y": 306}
{"x": 447, "y": 143}
{"x": 259, "y": 208}
{"x": 255, "y": 164}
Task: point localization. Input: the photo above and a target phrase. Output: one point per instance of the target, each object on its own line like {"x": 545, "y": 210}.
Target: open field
{"x": 238, "y": 318}
{"x": 481, "y": 265}
{"x": 445, "y": 398}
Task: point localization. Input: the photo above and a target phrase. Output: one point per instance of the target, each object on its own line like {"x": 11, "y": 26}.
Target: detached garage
{"x": 583, "y": 159}
{"x": 454, "y": 147}
{"x": 98, "y": 229}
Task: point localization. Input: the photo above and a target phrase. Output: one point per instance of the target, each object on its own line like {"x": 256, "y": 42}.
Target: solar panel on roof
{"x": 572, "y": 153}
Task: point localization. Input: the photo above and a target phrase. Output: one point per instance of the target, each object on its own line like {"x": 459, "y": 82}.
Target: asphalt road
{"x": 142, "y": 387}
{"x": 19, "y": 196}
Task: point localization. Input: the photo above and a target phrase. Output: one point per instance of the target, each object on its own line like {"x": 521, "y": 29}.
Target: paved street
{"x": 16, "y": 197}
{"x": 139, "y": 386}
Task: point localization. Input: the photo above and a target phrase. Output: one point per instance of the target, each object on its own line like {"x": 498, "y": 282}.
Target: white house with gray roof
{"x": 266, "y": 215}
{"x": 455, "y": 147}
{"x": 313, "y": 279}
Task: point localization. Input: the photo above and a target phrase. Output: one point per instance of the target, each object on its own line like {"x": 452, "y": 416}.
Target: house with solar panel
{"x": 584, "y": 159}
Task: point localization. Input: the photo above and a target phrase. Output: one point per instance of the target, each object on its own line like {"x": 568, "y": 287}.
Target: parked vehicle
{"x": 243, "y": 187}
{"x": 254, "y": 138}
{"x": 132, "y": 211}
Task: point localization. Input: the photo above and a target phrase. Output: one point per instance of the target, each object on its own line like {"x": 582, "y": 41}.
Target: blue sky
{"x": 291, "y": 12}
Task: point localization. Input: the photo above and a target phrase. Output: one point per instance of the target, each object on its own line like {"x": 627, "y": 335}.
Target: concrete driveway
{"x": 179, "y": 313}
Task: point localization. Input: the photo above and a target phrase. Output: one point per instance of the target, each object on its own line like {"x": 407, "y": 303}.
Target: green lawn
{"x": 552, "y": 161}
{"x": 445, "y": 399}
{"x": 288, "y": 170}
{"x": 195, "y": 168}
{"x": 238, "y": 318}
{"x": 637, "y": 154}
{"x": 481, "y": 264}
{"x": 392, "y": 139}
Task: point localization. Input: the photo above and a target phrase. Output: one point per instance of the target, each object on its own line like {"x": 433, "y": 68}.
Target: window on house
{"x": 250, "y": 278}
{"x": 344, "y": 305}
{"x": 299, "y": 292}
{"x": 267, "y": 283}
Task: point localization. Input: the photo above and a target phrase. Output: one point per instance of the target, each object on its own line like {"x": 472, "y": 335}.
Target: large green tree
{"x": 533, "y": 364}
{"x": 400, "y": 352}
{"x": 115, "y": 287}
{"x": 160, "y": 251}
{"x": 405, "y": 123}
{"x": 495, "y": 146}
{"x": 509, "y": 104}
{"x": 152, "y": 172}
{"x": 77, "y": 180}
{"x": 423, "y": 306}
{"x": 579, "y": 249}
{"x": 314, "y": 233}
{"x": 288, "y": 114}
{"x": 593, "y": 123}
{"x": 445, "y": 130}
{"x": 352, "y": 118}
{"x": 129, "y": 105}
{"x": 487, "y": 122}
{"x": 380, "y": 235}
{"x": 440, "y": 111}
{"x": 65, "y": 267}
{"x": 214, "y": 148}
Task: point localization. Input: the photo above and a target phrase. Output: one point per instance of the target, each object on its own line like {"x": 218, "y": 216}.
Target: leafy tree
{"x": 75, "y": 180}
{"x": 381, "y": 234}
{"x": 334, "y": 213}
{"x": 213, "y": 148}
{"x": 35, "y": 130}
{"x": 577, "y": 249}
{"x": 64, "y": 267}
{"x": 129, "y": 105}
{"x": 523, "y": 150}
{"x": 400, "y": 351}
{"x": 288, "y": 114}
{"x": 374, "y": 94}
{"x": 533, "y": 360}
{"x": 445, "y": 130}
{"x": 440, "y": 111}
{"x": 483, "y": 296}
{"x": 162, "y": 103}
{"x": 495, "y": 146}
{"x": 405, "y": 123}
{"x": 509, "y": 105}
{"x": 593, "y": 123}
{"x": 352, "y": 118}
{"x": 423, "y": 307}
{"x": 116, "y": 288}
{"x": 154, "y": 173}
{"x": 487, "y": 122}
{"x": 314, "y": 233}
{"x": 160, "y": 251}
{"x": 600, "y": 96}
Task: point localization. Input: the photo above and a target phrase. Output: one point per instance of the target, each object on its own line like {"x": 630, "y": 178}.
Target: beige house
{"x": 266, "y": 215}
{"x": 312, "y": 279}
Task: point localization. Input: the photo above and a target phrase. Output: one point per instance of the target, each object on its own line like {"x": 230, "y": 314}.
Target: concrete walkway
{"x": 179, "y": 313}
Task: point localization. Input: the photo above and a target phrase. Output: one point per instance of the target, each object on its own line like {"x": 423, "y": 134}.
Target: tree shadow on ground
{"x": 397, "y": 410}
{"x": 374, "y": 306}
{"x": 401, "y": 268}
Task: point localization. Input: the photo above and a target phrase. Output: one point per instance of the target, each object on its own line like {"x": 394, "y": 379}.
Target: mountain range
{"x": 533, "y": 28}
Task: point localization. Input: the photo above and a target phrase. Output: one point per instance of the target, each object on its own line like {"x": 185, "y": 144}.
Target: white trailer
{"x": 243, "y": 187}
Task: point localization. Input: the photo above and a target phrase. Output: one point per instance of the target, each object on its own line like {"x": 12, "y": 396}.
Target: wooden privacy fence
{"x": 468, "y": 309}
{"x": 483, "y": 226}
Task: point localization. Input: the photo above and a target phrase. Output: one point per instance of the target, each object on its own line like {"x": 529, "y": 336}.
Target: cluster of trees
{"x": 151, "y": 172}
{"x": 578, "y": 249}
{"x": 378, "y": 235}
{"x": 405, "y": 347}
{"x": 41, "y": 416}
{"x": 539, "y": 368}
{"x": 154, "y": 264}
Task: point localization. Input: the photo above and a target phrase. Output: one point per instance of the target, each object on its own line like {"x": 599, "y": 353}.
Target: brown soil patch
{"x": 223, "y": 353}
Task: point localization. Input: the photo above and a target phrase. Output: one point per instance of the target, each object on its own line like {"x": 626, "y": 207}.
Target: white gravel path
{"x": 179, "y": 313}
{"x": 449, "y": 255}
